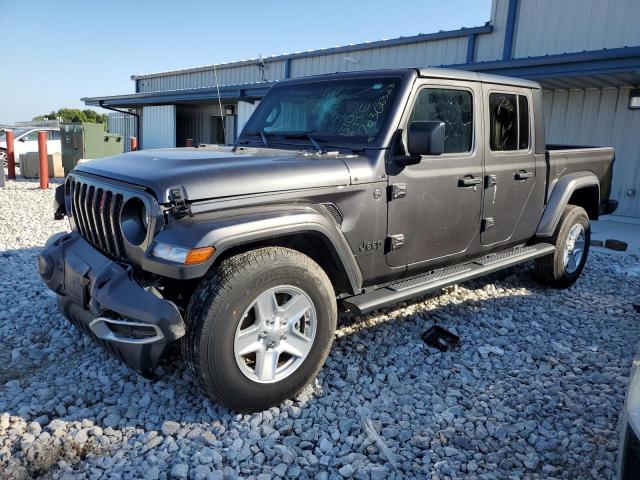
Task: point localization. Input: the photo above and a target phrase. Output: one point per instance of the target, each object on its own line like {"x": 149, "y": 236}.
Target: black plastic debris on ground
{"x": 440, "y": 338}
{"x": 617, "y": 245}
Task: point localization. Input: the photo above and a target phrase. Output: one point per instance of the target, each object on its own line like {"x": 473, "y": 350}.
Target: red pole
{"x": 44, "y": 161}
{"x": 11, "y": 156}
{"x": 133, "y": 144}
{"x": 189, "y": 142}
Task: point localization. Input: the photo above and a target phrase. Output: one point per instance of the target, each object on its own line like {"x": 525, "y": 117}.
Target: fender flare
{"x": 232, "y": 231}
{"x": 559, "y": 199}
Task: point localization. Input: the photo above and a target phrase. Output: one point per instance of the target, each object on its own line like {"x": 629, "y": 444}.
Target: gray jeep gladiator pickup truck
{"x": 361, "y": 189}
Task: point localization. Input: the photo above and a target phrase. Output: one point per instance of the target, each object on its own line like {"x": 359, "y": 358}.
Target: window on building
{"x": 454, "y": 108}
{"x": 510, "y": 126}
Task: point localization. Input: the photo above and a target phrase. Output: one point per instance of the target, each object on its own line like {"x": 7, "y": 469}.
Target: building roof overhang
{"x": 590, "y": 69}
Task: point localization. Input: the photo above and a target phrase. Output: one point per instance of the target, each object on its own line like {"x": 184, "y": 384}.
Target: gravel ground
{"x": 533, "y": 392}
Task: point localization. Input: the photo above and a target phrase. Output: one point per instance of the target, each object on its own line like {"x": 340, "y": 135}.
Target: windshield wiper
{"x": 259, "y": 133}
{"x": 308, "y": 136}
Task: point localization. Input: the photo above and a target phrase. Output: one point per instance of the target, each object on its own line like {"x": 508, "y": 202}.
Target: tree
{"x": 74, "y": 115}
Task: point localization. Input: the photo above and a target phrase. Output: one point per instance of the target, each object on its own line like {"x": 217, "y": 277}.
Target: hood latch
{"x": 179, "y": 206}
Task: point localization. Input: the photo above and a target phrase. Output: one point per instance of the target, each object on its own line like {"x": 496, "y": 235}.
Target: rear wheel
{"x": 562, "y": 268}
{"x": 3, "y": 157}
{"x": 259, "y": 327}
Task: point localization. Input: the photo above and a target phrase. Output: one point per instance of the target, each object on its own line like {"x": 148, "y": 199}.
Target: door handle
{"x": 469, "y": 181}
{"x": 523, "y": 175}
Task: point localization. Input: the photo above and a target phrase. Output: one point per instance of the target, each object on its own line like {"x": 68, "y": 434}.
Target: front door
{"x": 26, "y": 144}
{"x": 510, "y": 169}
{"x": 437, "y": 202}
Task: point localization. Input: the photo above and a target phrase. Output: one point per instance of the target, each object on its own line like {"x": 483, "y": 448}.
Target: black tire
{"x": 3, "y": 158}
{"x": 216, "y": 308}
{"x": 550, "y": 270}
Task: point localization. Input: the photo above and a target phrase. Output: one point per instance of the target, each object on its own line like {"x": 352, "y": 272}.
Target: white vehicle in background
{"x": 26, "y": 141}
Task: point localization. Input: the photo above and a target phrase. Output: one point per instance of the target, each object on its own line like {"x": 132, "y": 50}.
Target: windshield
{"x": 343, "y": 111}
{"x": 16, "y": 133}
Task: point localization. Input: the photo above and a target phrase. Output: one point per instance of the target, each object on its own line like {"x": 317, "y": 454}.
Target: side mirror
{"x": 425, "y": 138}
{"x": 23, "y": 139}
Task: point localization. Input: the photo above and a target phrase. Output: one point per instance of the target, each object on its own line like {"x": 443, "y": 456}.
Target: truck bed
{"x": 564, "y": 159}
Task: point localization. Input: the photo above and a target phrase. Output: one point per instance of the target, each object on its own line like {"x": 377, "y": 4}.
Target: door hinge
{"x": 398, "y": 190}
{"x": 396, "y": 241}
{"x": 487, "y": 224}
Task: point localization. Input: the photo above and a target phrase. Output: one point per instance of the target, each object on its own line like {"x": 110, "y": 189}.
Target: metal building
{"x": 585, "y": 53}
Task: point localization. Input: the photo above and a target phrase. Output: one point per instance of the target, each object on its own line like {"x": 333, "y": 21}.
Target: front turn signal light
{"x": 183, "y": 255}
{"x": 199, "y": 255}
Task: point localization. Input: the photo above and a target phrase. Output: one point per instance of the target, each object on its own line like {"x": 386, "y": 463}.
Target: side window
{"x": 454, "y": 108}
{"x": 509, "y": 118}
{"x": 54, "y": 134}
{"x": 31, "y": 136}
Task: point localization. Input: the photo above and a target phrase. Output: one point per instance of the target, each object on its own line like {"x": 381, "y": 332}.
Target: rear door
{"x": 434, "y": 205}
{"x": 510, "y": 166}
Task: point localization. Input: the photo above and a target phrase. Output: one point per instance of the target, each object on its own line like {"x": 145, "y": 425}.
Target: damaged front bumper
{"x": 629, "y": 428}
{"x": 101, "y": 298}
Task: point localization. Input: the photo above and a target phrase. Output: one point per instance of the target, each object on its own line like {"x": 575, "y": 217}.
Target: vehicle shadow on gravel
{"x": 535, "y": 386}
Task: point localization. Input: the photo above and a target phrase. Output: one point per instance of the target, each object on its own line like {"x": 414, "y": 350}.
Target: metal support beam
{"x": 471, "y": 48}
{"x": 510, "y": 29}
{"x": 287, "y": 68}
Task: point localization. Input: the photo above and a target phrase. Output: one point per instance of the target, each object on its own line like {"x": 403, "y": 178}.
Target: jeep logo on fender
{"x": 370, "y": 247}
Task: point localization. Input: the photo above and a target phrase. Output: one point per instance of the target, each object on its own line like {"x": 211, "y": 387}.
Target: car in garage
{"x": 26, "y": 141}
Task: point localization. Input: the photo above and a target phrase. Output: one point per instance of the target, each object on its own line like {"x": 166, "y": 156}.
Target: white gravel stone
{"x": 180, "y": 470}
{"x": 534, "y": 390}
{"x": 170, "y": 427}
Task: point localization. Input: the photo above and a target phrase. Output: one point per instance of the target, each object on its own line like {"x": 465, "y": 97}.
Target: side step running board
{"x": 436, "y": 279}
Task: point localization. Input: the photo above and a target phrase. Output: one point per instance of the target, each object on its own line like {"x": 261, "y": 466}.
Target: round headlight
{"x": 133, "y": 221}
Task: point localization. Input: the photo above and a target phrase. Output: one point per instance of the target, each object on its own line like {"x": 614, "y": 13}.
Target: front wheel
{"x": 562, "y": 268}
{"x": 259, "y": 327}
{"x": 3, "y": 157}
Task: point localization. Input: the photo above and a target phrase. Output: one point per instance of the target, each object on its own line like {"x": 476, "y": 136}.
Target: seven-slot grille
{"x": 96, "y": 212}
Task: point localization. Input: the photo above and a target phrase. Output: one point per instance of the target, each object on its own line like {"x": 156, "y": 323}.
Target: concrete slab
{"x": 617, "y": 228}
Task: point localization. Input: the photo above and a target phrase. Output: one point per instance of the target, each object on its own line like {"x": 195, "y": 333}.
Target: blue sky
{"x": 55, "y": 52}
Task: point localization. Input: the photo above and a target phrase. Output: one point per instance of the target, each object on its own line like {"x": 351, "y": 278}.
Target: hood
{"x": 219, "y": 172}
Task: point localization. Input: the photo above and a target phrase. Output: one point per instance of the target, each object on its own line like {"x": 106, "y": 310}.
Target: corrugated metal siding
{"x": 575, "y": 25}
{"x": 124, "y": 125}
{"x": 423, "y": 54}
{"x": 490, "y": 46}
{"x": 205, "y": 78}
{"x": 244, "y": 110}
{"x": 159, "y": 127}
{"x": 600, "y": 117}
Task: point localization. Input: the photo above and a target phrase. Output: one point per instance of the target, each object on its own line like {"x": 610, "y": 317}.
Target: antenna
{"x": 261, "y": 66}
{"x": 224, "y": 128}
